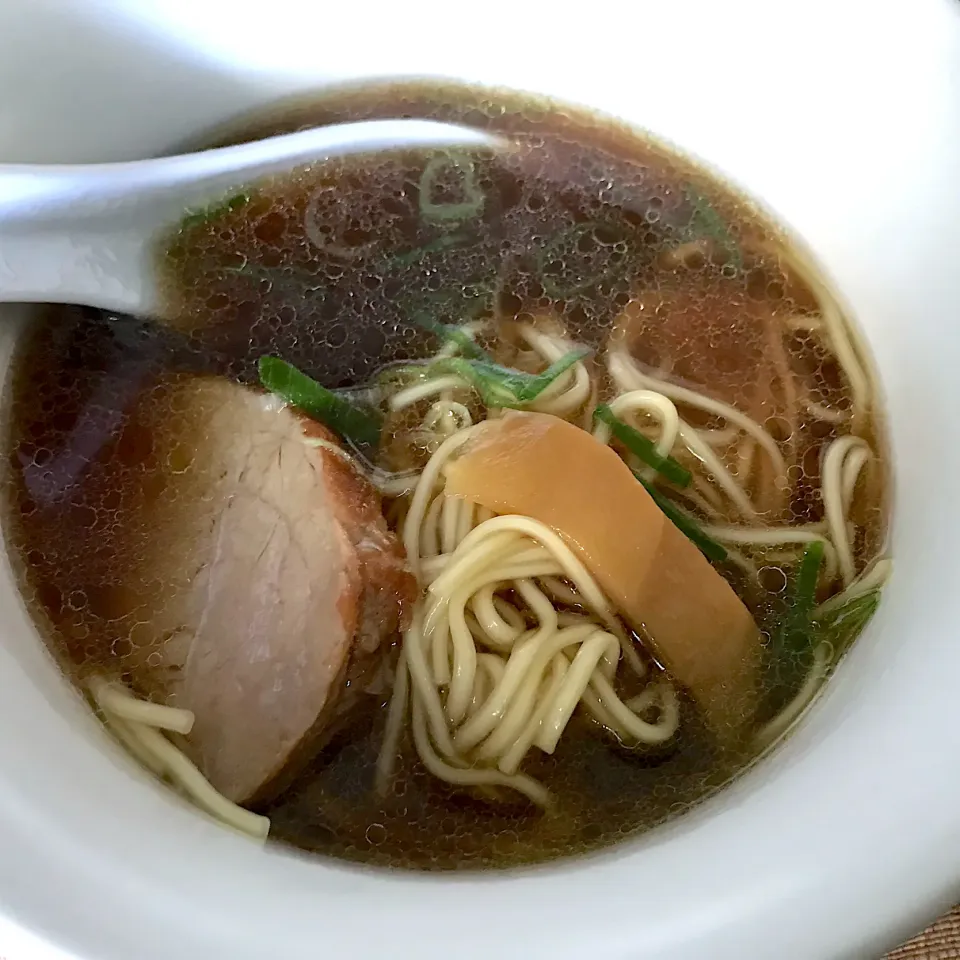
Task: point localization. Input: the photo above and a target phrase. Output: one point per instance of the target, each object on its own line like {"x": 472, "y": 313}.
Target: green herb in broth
{"x": 450, "y": 211}
{"x": 794, "y": 637}
{"x": 453, "y": 334}
{"x": 580, "y": 257}
{"x": 501, "y": 386}
{"x": 359, "y": 426}
{"x": 443, "y": 313}
{"x": 840, "y": 626}
{"x": 215, "y": 210}
{"x": 642, "y": 447}
{"x": 707, "y": 222}
{"x": 686, "y": 524}
{"x": 796, "y": 625}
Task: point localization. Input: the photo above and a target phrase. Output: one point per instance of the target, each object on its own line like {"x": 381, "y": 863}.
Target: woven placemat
{"x": 940, "y": 941}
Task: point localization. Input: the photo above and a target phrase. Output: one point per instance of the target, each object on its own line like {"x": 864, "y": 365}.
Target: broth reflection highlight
{"x": 464, "y": 509}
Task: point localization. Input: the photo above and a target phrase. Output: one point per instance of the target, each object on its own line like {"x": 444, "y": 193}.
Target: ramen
{"x": 462, "y": 508}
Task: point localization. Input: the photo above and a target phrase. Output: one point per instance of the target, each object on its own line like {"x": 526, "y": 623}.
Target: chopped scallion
{"x": 353, "y": 423}
{"x": 503, "y": 387}
{"x": 642, "y": 447}
{"x": 686, "y": 524}
{"x": 840, "y": 626}
{"x": 706, "y": 221}
{"x": 447, "y": 331}
{"x": 797, "y": 623}
{"x": 794, "y": 637}
{"x": 436, "y": 168}
{"x": 800, "y": 631}
{"x": 582, "y": 256}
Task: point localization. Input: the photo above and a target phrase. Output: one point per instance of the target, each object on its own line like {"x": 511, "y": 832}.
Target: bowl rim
{"x": 706, "y": 904}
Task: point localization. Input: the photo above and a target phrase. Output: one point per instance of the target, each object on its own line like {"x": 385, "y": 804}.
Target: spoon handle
{"x": 86, "y": 234}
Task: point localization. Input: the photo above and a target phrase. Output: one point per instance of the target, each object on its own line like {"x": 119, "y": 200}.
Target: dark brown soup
{"x": 586, "y": 278}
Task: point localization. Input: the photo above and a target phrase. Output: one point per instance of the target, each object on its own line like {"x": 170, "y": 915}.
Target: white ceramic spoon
{"x": 86, "y": 234}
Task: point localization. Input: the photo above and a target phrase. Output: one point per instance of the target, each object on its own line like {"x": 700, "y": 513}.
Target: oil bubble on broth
{"x": 361, "y": 632}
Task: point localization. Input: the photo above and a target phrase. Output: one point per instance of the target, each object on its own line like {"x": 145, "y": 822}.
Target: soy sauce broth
{"x": 329, "y": 269}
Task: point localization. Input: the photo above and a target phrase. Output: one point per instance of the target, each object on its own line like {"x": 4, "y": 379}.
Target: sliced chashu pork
{"x": 706, "y": 333}
{"x": 262, "y": 580}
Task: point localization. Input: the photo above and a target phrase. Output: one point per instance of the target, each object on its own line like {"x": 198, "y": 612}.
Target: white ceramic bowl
{"x": 844, "y": 118}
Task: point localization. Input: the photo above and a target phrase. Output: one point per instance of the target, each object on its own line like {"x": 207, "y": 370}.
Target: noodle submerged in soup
{"x": 545, "y": 488}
